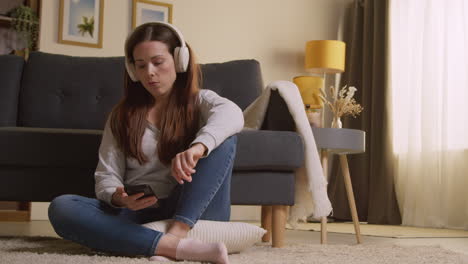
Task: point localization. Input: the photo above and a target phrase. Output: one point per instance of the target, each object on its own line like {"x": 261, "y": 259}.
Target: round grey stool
{"x": 341, "y": 141}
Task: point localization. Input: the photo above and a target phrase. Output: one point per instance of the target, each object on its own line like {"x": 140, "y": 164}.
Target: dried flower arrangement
{"x": 342, "y": 103}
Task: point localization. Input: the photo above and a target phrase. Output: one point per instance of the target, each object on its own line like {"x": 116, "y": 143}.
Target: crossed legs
{"x": 99, "y": 226}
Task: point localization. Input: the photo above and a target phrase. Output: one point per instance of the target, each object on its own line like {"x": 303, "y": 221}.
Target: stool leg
{"x": 279, "y": 225}
{"x": 266, "y": 222}
{"x": 323, "y": 220}
{"x": 350, "y": 193}
{"x": 324, "y": 162}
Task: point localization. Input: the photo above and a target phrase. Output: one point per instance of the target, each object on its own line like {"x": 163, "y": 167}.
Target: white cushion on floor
{"x": 236, "y": 236}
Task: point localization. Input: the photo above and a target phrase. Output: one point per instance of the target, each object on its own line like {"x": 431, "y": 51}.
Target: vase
{"x": 336, "y": 122}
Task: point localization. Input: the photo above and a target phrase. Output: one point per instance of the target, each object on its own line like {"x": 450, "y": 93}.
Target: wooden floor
{"x": 43, "y": 228}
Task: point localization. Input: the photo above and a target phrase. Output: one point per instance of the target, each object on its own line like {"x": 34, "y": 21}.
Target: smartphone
{"x": 142, "y": 188}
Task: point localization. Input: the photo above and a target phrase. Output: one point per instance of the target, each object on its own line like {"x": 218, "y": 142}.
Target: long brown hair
{"x": 178, "y": 124}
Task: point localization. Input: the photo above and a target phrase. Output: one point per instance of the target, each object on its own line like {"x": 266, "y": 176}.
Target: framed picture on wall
{"x": 145, "y": 11}
{"x": 81, "y": 22}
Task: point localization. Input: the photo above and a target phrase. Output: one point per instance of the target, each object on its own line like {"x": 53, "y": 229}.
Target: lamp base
{"x": 315, "y": 117}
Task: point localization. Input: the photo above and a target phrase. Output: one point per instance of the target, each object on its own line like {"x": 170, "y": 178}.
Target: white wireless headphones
{"x": 181, "y": 54}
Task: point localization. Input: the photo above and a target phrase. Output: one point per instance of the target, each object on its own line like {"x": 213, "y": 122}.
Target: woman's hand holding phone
{"x": 133, "y": 202}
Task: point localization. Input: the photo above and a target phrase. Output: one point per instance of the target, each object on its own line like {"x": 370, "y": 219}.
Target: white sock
{"x": 192, "y": 249}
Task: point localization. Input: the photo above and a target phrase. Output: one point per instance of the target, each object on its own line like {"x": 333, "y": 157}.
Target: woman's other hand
{"x": 133, "y": 202}
{"x": 183, "y": 164}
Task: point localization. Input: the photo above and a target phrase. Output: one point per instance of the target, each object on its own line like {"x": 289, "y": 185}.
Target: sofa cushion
{"x": 262, "y": 187}
{"x": 78, "y": 148}
{"x": 268, "y": 150}
{"x": 240, "y": 81}
{"x": 49, "y": 147}
{"x": 59, "y": 91}
{"x": 11, "y": 68}
{"x": 41, "y": 184}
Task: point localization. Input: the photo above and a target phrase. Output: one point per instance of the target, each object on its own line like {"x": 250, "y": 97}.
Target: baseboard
{"x": 39, "y": 211}
{"x": 245, "y": 213}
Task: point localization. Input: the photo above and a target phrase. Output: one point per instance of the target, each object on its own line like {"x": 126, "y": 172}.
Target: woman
{"x": 170, "y": 135}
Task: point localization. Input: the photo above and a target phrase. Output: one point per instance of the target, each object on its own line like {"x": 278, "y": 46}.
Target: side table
{"x": 341, "y": 141}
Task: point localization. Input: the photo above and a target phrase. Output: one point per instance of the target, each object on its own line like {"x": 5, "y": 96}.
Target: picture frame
{"x": 77, "y": 22}
{"x": 148, "y": 11}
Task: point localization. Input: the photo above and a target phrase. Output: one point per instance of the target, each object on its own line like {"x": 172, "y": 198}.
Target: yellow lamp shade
{"x": 325, "y": 56}
{"x": 309, "y": 87}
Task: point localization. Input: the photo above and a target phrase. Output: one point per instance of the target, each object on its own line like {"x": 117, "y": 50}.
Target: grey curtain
{"x": 366, "y": 37}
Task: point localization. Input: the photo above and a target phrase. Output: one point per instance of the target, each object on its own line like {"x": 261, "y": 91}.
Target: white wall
{"x": 273, "y": 32}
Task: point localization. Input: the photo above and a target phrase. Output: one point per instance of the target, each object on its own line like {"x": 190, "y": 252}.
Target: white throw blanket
{"x": 311, "y": 186}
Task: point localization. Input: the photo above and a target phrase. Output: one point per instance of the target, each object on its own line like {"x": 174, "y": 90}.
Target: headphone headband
{"x": 174, "y": 29}
{"x": 181, "y": 54}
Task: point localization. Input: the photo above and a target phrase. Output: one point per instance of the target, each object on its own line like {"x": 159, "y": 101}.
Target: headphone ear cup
{"x": 181, "y": 58}
{"x": 184, "y": 57}
{"x": 131, "y": 71}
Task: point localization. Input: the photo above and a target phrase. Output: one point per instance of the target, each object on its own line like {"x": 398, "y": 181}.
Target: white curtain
{"x": 429, "y": 83}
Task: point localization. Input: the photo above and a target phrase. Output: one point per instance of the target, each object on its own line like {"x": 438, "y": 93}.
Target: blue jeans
{"x": 97, "y": 225}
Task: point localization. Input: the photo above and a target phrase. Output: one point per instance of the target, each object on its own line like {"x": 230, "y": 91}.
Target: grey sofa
{"x": 53, "y": 108}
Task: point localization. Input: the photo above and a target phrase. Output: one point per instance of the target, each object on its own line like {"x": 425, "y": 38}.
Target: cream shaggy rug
{"x": 48, "y": 250}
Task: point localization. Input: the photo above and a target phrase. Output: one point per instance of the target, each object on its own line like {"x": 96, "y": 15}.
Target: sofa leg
{"x": 266, "y": 222}
{"x": 279, "y": 225}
